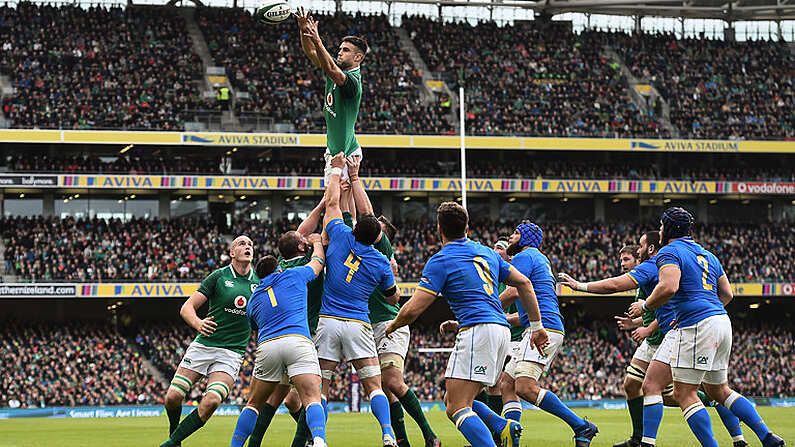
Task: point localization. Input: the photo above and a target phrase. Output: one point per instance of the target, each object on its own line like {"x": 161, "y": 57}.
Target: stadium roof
{"x": 696, "y": 9}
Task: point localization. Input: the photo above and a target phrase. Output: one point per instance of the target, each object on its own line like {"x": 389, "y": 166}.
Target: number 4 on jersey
{"x": 352, "y": 263}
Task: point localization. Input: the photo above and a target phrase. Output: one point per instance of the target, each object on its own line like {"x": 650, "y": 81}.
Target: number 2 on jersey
{"x": 703, "y": 261}
{"x": 353, "y": 265}
{"x": 485, "y": 274}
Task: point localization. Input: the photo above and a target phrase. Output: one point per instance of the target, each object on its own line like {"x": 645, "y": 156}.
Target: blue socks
{"x": 652, "y": 417}
{"x": 744, "y": 409}
{"x": 495, "y": 423}
{"x": 244, "y": 427}
{"x": 380, "y": 407}
{"x": 549, "y": 402}
{"x": 701, "y": 425}
{"x": 512, "y": 410}
{"x": 473, "y": 428}
{"x": 324, "y": 402}
{"x": 730, "y": 421}
{"x": 316, "y": 420}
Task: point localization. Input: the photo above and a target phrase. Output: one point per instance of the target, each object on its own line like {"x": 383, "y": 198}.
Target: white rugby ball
{"x": 273, "y": 11}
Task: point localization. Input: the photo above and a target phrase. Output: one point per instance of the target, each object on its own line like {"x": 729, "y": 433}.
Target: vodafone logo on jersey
{"x": 329, "y": 99}
{"x": 765, "y": 188}
{"x": 240, "y": 302}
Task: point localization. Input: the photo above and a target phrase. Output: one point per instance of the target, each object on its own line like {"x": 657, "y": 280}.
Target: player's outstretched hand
{"x": 625, "y": 323}
{"x": 301, "y": 15}
{"x": 208, "y": 326}
{"x": 448, "y": 326}
{"x": 568, "y": 281}
{"x": 353, "y": 165}
{"x": 313, "y": 239}
{"x": 338, "y": 161}
{"x": 636, "y": 309}
{"x": 539, "y": 339}
{"x": 640, "y": 334}
{"x": 311, "y": 30}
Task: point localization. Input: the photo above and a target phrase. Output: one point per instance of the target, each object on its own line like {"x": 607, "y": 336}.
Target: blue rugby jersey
{"x": 353, "y": 272}
{"x": 468, "y": 275}
{"x": 536, "y": 267}
{"x": 645, "y": 276}
{"x": 697, "y": 297}
{"x": 278, "y": 307}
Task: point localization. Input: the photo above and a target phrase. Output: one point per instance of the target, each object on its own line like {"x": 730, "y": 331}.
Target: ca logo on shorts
{"x": 702, "y": 360}
{"x": 480, "y": 369}
{"x": 240, "y": 302}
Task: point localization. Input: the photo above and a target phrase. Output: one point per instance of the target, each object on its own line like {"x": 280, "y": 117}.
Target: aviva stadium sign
{"x": 232, "y": 139}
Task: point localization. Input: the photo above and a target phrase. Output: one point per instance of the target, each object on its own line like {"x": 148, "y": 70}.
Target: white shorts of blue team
{"x": 396, "y": 343}
{"x": 645, "y": 352}
{"x": 285, "y": 357}
{"x": 479, "y": 353}
{"x": 327, "y": 170}
{"x": 663, "y": 352}
{"x": 206, "y": 360}
{"x": 519, "y": 367}
{"x": 701, "y": 352}
{"x": 344, "y": 339}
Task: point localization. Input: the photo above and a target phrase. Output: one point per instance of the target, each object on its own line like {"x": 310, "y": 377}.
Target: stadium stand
{"x": 39, "y": 249}
{"x": 93, "y": 68}
{"x": 102, "y": 367}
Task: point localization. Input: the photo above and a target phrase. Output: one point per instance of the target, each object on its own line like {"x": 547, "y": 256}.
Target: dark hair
{"x": 388, "y": 228}
{"x": 367, "y": 229}
{"x": 358, "y": 42}
{"x": 452, "y": 219}
{"x": 631, "y": 249}
{"x": 288, "y": 245}
{"x": 653, "y": 238}
{"x": 266, "y": 265}
{"x": 504, "y": 238}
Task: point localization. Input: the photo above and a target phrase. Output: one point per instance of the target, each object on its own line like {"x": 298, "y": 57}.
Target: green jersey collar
{"x": 234, "y": 274}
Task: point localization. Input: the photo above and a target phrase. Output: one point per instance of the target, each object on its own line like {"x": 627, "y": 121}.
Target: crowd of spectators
{"x": 42, "y": 249}
{"x": 83, "y": 363}
{"x": 716, "y": 88}
{"x": 97, "y": 67}
{"x": 268, "y": 63}
{"x": 377, "y": 166}
{"x": 531, "y": 80}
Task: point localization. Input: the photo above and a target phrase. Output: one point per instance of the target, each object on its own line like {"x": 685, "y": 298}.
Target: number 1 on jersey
{"x": 703, "y": 261}
{"x": 272, "y": 296}
{"x": 353, "y": 265}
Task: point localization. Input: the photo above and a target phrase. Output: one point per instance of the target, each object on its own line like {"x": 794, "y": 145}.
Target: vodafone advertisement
{"x": 764, "y": 188}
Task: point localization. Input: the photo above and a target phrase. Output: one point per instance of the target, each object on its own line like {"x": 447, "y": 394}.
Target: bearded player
{"x": 343, "y": 92}
{"x": 218, "y": 350}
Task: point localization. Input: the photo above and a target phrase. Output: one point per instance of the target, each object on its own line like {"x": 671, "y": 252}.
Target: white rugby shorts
{"x": 701, "y": 352}
{"x": 645, "y": 352}
{"x": 209, "y": 359}
{"x": 396, "y": 343}
{"x": 291, "y": 355}
{"x": 479, "y": 353}
{"x": 327, "y": 170}
{"x": 344, "y": 340}
{"x": 528, "y": 353}
{"x": 663, "y": 353}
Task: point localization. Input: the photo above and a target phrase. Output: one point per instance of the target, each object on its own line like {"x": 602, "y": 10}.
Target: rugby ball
{"x": 272, "y": 12}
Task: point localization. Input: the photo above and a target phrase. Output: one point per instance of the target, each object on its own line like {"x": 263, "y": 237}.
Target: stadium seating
{"x": 39, "y": 249}
{"x": 96, "y": 68}
{"x": 267, "y": 62}
{"x": 101, "y": 367}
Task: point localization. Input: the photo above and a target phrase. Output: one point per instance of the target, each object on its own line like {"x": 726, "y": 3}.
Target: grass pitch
{"x": 360, "y": 430}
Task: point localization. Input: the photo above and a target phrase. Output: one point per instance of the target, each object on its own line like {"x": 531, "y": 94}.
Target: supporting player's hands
{"x": 345, "y": 185}
{"x": 207, "y": 326}
{"x": 539, "y": 339}
{"x": 636, "y": 309}
{"x": 626, "y": 323}
{"x": 569, "y": 282}
{"x": 640, "y": 334}
{"x": 448, "y": 326}
{"x": 313, "y": 239}
{"x": 338, "y": 161}
{"x": 353, "y": 166}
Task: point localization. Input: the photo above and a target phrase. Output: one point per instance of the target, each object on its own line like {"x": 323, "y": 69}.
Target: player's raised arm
{"x": 188, "y": 313}
{"x": 306, "y": 43}
{"x": 360, "y": 196}
{"x": 310, "y": 223}
{"x": 324, "y": 59}
{"x": 332, "y": 198}
{"x": 615, "y": 284}
{"x": 318, "y": 255}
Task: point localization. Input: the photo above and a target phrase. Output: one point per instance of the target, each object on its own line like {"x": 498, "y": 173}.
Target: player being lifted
{"x": 467, "y": 274}
{"x": 354, "y": 269}
{"x": 294, "y": 251}
{"x": 391, "y": 350}
{"x": 525, "y": 368}
{"x": 648, "y": 383}
{"x": 218, "y": 350}
{"x": 692, "y": 280}
{"x": 277, "y": 311}
{"x": 343, "y": 92}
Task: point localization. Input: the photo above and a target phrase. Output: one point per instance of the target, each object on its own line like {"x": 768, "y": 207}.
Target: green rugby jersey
{"x": 314, "y": 290}
{"x": 228, "y": 294}
{"x": 341, "y": 108}
{"x": 380, "y": 310}
{"x": 516, "y": 331}
{"x": 657, "y": 336}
